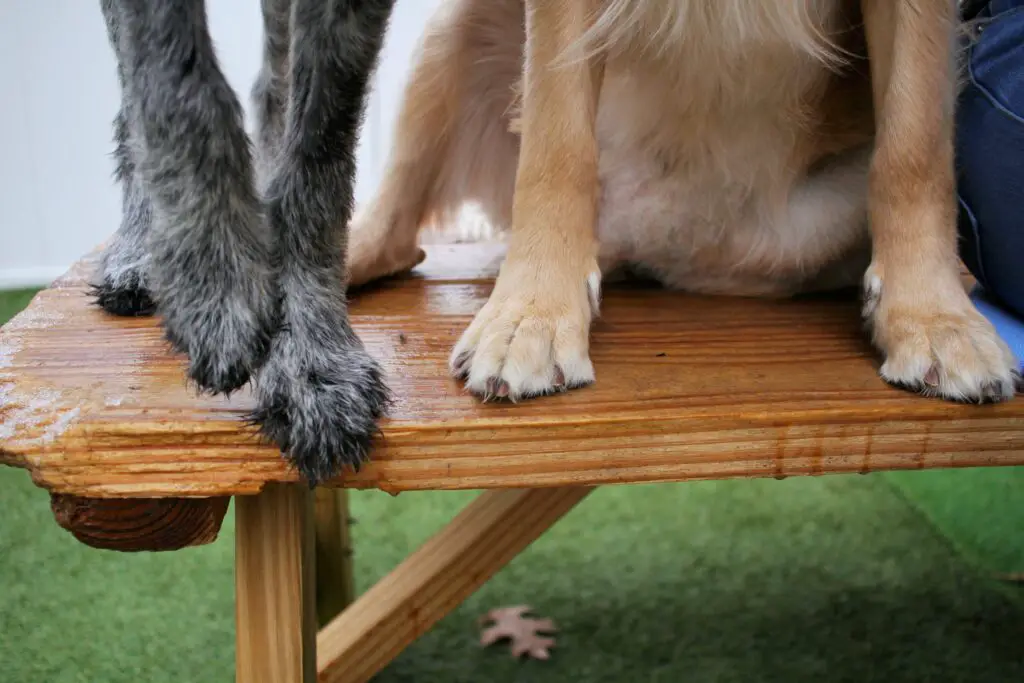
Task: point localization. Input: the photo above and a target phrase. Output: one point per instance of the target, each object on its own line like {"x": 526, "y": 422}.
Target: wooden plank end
{"x": 140, "y": 524}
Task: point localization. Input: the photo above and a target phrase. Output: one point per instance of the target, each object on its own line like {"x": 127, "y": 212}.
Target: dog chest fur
{"x": 698, "y": 27}
{"x": 708, "y": 123}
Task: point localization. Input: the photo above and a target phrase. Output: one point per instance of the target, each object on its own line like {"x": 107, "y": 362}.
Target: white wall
{"x": 58, "y": 97}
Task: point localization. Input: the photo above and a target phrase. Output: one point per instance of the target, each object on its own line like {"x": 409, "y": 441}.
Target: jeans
{"x": 990, "y": 153}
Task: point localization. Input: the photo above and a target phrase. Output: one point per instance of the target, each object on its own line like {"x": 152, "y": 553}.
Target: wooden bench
{"x": 688, "y": 388}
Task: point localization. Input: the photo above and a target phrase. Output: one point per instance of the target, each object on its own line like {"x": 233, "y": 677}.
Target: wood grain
{"x": 335, "y": 578}
{"x": 688, "y": 388}
{"x": 275, "y": 600}
{"x": 134, "y": 525}
{"x": 435, "y": 579}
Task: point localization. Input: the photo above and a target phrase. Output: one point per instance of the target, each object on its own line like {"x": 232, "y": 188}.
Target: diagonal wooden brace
{"x": 435, "y": 579}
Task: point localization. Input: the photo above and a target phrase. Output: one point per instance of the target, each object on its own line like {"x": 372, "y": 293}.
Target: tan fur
{"x": 731, "y": 153}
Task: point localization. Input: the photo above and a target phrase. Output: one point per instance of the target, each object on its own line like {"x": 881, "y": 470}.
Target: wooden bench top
{"x": 688, "y": 388}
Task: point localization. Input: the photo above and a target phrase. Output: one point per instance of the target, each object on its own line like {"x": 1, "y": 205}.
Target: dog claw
{"x": 460, "y": 368}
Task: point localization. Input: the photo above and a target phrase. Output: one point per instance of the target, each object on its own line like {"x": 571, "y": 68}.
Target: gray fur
{"x": 317, "y": 366}
{"x": 270, "y": 91}
{"x": 250, "y": 285}
{"x": 124, "y": 265}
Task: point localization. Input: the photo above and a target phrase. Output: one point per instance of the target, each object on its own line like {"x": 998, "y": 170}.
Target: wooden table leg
{"x": 435, "y": 579}
{"x": 275, "y": 608}
{"x": 335, "y": 581}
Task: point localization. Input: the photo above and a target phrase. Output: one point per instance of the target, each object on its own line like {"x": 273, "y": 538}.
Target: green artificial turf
{"x": 12, "y": 301}
{"x": 980, "y": 510}
{"x": 884, "y": 578}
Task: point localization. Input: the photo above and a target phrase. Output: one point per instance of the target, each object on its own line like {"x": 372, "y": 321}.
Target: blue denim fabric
{"x": 1010, "y": 328}
{"x": 990, "y": 154}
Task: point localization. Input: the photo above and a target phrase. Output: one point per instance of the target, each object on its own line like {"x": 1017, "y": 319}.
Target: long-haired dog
{"x": 249, "y": 277}
{"x": 738, "y": 147}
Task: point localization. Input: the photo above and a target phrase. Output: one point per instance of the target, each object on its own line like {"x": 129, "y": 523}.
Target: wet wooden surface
{"x": 688, "y": 388}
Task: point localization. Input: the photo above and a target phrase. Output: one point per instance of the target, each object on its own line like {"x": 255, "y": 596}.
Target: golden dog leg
{"x": 932, "y": 337}
{"x": 532, "y": 336}
{"x": 451, "y": 141}
{"x": 383, "y": 235}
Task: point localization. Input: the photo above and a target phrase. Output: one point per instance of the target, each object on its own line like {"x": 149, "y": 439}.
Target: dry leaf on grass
{"x": 1011, "y": 578}
{"x": 511, "y": 623}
